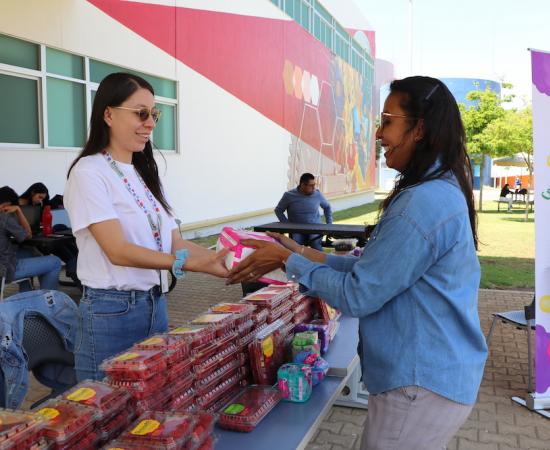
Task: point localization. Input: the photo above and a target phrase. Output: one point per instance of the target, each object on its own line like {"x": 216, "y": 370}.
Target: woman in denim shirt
{"x": 125, "y": 231}
{"x": 415, "y": 286}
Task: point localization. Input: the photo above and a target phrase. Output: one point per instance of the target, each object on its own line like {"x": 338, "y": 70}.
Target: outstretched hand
{"x": 212, "y": 263}
{"x": 267, "y": 257}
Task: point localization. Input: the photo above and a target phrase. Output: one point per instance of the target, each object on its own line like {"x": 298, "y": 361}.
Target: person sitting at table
{"x": 124, "y": 226}
{"x": 504, "y": 192}
{"x": 14, "y": 229}
{"x": 36, "y": 194}
{"x": 415, "y": 287}
{"x": 302, "y": 206}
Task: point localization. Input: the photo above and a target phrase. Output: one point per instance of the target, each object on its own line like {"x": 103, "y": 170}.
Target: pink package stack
{"x": 230, "y": 239}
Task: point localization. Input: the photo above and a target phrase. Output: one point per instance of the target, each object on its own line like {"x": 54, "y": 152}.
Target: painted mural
{"x": 280, "y": 70}
{"x": 339, "y": 110}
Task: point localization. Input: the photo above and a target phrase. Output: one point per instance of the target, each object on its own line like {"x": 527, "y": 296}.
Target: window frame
{"x": 41, "y": 76}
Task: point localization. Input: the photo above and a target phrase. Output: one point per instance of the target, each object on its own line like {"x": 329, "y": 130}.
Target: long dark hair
{"x": 444, "y": 139}
{"x": 36, "y": 188}
{"x": 113, "y": 90}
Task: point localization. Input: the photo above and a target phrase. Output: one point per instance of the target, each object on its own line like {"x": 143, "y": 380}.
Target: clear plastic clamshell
{"x": 246, "y": 409}
{"x": 106, "y": 399}
{"x": 19, "y": 429}
{"x": 135, "y": 364}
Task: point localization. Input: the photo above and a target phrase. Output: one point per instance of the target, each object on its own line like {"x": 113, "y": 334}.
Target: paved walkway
{"x": 496, "y": 423}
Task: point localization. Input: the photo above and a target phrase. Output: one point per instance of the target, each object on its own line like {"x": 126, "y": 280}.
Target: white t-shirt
{"x": 95, "y": 193}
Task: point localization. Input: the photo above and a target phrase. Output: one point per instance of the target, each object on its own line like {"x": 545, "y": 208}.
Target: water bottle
{"x": 47, "y": 220}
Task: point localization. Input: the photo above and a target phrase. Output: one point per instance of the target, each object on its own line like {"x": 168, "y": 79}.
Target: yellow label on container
{"x": 81, "y": 394}
{"x": 49, "y": 413}
{"x": 179, "y": 330}
{"x": 127, "y": 356}
{"x": 153, "y": 341}
{"x": 145, "y": 427}
{"x": 545, "y": 303}
{"x": 267, "y": 347}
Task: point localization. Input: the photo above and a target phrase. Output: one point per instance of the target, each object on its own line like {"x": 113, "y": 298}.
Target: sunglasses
{"x": 385, "y": 115}
{"x": 143, "y": 113}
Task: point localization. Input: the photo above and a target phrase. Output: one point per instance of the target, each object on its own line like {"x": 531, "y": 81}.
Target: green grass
{"x": 506, "y": 248}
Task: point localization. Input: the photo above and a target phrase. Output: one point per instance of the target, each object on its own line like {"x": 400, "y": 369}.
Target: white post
{"x": 411, "y": 36}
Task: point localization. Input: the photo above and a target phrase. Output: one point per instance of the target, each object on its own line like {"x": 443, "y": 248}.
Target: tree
{"x": 513, "y": 134}
{"x": 486, "y": 109}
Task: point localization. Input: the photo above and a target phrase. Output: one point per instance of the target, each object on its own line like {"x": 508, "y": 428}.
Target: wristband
{"x": 177, "y": 266}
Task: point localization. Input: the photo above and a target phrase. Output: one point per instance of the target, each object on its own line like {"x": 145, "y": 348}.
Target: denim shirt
{"x": 415, "y": 291}
{"x": 62, "y": 313}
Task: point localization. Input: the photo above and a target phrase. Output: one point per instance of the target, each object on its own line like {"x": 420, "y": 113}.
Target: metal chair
{"x": 4, "y": 283}
{"x": 522, "y": 320}
{"x": 43, "y": 345}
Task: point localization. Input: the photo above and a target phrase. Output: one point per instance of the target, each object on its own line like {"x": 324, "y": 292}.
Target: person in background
{"x": 36, "y": 194}
{"x": 504, "y": 192}
{"x": 124, "y": 226}
{"x": 14, "y": 229}
{"x": 302, "y": 206}
{"x": 517, "y": 184}
{"x": 415, "y": 287}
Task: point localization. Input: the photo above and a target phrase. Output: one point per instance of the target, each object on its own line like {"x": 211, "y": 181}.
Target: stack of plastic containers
{"x": 218, "y": 363}
{"x": 109, "y": 402}
{"x": 69, "y": 425}
{"x": 267, "y": 352}
{"x": 246, "y": 409}
{"x": 303, "y": 308}
{"x": 276, "y": 299}
{"x": 143, "y": 374}
{"x": 21, "y": 430}
{"x": 327, "y": 312}
{"x": 179, "y": 376}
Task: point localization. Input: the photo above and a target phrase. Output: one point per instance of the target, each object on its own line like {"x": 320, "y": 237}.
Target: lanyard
{"x": 155, "y": 226}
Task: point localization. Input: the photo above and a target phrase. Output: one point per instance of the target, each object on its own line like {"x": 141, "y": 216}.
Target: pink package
{"x": 230, "y": 239}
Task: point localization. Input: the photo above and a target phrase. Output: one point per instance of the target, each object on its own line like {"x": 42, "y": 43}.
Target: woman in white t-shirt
{"x": 126, "y": 235}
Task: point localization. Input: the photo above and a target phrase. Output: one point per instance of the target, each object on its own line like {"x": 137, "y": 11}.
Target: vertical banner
{"x": 540, "y": 64}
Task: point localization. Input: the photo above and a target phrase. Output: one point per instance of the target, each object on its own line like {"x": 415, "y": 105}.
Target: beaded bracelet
{"x": 179, "y": 262}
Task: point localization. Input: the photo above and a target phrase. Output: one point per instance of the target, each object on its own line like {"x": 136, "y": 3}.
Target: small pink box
{"x": 230, "y": 239}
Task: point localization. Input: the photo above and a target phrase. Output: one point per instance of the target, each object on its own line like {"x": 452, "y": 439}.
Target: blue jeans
{"x": 46, "y": 268}
{"x": 113, "y": 321}
{"x": 311, "y": 240}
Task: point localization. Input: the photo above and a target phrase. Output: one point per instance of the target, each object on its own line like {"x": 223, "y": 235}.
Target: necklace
{"x": 155, "y": 225}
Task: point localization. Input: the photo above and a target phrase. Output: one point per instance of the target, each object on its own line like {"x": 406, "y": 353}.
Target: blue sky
{"x": 462, "y": 38}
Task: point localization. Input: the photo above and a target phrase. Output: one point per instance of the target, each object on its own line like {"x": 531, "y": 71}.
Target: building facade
{"x": 252, "y": 93}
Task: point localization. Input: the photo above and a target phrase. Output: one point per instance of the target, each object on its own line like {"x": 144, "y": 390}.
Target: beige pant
{"x": 412, "y": 418}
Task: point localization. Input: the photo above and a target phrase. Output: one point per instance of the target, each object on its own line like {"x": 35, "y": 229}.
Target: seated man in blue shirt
{"x": 302, "y": 206}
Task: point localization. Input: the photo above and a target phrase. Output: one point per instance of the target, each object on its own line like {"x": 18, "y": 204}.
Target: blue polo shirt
{"x": 302, "y": 208}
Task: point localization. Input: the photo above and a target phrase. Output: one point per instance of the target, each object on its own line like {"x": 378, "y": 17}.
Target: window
{"x": 163, "y": 134}
{"x": 48, "y": 94}
{"x": 162, "y": 87}
{"x": 16, "y": 52}
{"x": 65, "y": 64}
{"x": 311, "y": 15}
{"x": 66, "y": 113}
{"x": 20, "y": 103}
